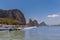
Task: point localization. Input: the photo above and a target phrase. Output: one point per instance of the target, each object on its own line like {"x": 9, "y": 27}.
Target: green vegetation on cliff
{"x": 9, "y": 21}
{"x": 9, "y": 16}
{"x": 32, "y": 22}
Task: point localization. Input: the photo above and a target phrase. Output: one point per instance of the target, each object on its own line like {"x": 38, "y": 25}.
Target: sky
{"x": 41, "y": 10}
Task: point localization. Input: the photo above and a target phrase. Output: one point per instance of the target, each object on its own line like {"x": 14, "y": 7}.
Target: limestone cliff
{"x": 13, "y": 14}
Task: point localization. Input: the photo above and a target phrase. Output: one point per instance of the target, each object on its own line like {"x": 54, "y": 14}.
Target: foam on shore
{"x": 29, "y": 27}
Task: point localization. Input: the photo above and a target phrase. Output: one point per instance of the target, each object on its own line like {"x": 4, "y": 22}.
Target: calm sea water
{"x": 39, "y": 33}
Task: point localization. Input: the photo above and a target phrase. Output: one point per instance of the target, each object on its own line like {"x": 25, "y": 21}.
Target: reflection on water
{"x": 12, "y": 35}
{"x": 40, "y": 33}
{"x": 17, "y": 35}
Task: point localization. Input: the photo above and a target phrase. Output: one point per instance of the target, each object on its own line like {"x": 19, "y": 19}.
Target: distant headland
{"x": 12, "y": 17}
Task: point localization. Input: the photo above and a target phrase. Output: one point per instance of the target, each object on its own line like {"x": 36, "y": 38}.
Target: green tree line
{"x": 9, "y": 21}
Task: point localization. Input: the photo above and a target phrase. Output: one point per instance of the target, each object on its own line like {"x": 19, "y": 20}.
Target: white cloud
{"x": 53, "y": 15}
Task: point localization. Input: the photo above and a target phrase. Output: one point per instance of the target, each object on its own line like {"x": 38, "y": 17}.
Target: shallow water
{"x": 12, "y": 35}
{"x": 39, "y": 33}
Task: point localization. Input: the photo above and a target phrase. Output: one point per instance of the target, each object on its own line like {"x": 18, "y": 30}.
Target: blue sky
{"x": 41, "y": 10}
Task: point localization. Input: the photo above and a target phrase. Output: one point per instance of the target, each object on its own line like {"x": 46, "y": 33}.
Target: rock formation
{"x": 13, "y": 14}
{"x": 35, "y": 23}
{"x": 32, "y": 22}
{"x": 43, "y": 24}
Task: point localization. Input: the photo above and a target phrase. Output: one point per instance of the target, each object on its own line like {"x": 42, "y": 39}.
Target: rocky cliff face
{"x": 35, "y": 23}
{"x": 32, "y": 22}
{"x": 43, "y": 24}
{"x": 14, "y": 14}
